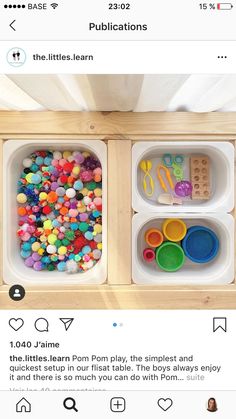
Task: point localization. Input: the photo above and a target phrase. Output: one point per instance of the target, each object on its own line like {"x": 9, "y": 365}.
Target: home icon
{"x": 23, "y": 406}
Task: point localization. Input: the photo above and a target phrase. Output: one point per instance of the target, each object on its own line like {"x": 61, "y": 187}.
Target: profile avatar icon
{"x": 17, "y": 292}
{"x": 16, "y": 57}
{"x": 212, "y": 405}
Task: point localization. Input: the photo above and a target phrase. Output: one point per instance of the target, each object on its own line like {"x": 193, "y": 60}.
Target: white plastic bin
{"x": 14, "y": 269}
{"x": 221, "y": 156}
{"x": 218, "y": 271}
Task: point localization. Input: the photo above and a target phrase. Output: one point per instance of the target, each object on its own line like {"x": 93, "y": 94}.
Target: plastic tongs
{"x": 168, "y": 177}
{"x": 148, "y": 183}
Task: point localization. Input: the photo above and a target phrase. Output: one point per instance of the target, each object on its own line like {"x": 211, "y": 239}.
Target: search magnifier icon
{"x": 70, "y": 404}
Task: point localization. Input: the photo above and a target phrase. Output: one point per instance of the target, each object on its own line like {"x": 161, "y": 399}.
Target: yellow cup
{"x": 174, "y": 229}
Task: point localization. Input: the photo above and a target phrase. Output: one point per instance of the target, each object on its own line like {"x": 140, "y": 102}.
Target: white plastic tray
{"x": 218, "y": 271}
{"x": 14, "y": 270}
{"x": 221, "y": 156}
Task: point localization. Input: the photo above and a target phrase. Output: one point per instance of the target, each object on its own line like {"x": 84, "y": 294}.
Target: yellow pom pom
{"x": 62, "y": 250}
{"x": 98, "y": 192}
{"x": 76, "y": 170}
{"x": 29, "y": 177}
{"x": 43, "y": 238}
{"x": 81, "y": 209}
{"x": 86, "y": 154}
{"x": 84, "y": 191}
{"x": 21, "y": 198}
{"x": 35, "y": 246}
{"x": 97, "y": 228}
{"x": 47, "y": 225}
{"x": 52, "y": 238}
{"x": 43, "y": 196}
{"x": 66, "y": 154}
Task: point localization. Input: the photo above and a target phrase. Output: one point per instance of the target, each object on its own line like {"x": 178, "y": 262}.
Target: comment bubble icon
{"x": 41, "y": 325}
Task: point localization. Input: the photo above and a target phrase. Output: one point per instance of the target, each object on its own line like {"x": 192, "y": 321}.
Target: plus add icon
{"x": 117, "y": 404}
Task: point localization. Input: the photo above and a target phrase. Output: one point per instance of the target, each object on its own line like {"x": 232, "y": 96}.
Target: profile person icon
{"x": 212, "y": 405}
{"x": 17, "y": 293}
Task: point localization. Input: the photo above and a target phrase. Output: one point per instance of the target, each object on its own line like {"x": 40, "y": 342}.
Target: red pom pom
{"x": 42, "y": 153}
{"x": 68, "y": 167}
{"x": 93, "y": 244}
{"x": 47, "y": 209}
{"x": 63, "y": 179}
{"x": 80, "y": 242}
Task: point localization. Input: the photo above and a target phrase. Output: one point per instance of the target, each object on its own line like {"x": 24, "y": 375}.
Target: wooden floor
{"x": 119, "y": 131}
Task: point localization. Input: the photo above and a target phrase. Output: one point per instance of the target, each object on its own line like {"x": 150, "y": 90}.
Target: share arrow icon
{"x": 67, "y": 322}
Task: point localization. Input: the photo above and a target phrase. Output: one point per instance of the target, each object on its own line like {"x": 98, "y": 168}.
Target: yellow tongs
{"x": 148, "y": 183}
{"x": 168, "y": 177}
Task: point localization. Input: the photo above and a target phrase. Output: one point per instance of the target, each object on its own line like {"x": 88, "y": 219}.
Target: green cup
{"x": 170, "y": 257}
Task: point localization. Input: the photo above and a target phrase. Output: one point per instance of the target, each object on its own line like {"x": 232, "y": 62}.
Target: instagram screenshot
{"x": 117, "y": 209}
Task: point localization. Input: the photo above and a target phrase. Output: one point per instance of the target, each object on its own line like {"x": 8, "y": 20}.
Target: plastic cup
{"x": 154, "y": 237}
{"x": 200, "y": 244}
{"x": 149, "y": 255}
{"x": 174, "y": 229}
{"x": 170, "y": 257}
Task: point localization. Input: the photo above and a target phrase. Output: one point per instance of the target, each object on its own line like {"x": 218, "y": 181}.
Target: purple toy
{"x": 183, "y": 188}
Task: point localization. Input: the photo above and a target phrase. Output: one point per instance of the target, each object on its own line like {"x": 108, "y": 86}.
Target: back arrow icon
{"x": 11, "y": 25}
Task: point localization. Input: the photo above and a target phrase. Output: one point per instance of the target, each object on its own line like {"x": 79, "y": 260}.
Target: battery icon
{"x": 224, "y": 6}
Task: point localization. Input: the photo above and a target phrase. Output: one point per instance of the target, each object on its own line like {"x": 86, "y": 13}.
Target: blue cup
{"x": 200, "y": 244}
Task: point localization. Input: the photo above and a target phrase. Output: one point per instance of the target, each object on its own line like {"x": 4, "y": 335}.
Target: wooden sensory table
{"x": 119, "y": 130}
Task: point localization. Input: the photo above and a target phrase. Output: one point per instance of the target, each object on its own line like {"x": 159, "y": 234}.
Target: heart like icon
{"x": 165, "y": 404}
{"x": 16, "y": 324}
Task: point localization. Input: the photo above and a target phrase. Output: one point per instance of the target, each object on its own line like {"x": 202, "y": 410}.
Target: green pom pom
{"x": 91, "y": 186}
{"x": 58, "y": 243}
{"x": 83, "y": 227}
{"x": 51, "y": 267}
{"x": 65, "y": 242}
{"x": 70, "y": 235}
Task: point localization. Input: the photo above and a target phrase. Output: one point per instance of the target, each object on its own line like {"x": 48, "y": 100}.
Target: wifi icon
{"x": 54, "y": 5}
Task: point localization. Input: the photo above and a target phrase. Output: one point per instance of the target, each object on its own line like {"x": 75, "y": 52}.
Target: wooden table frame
{"x": 119, "y": 130}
